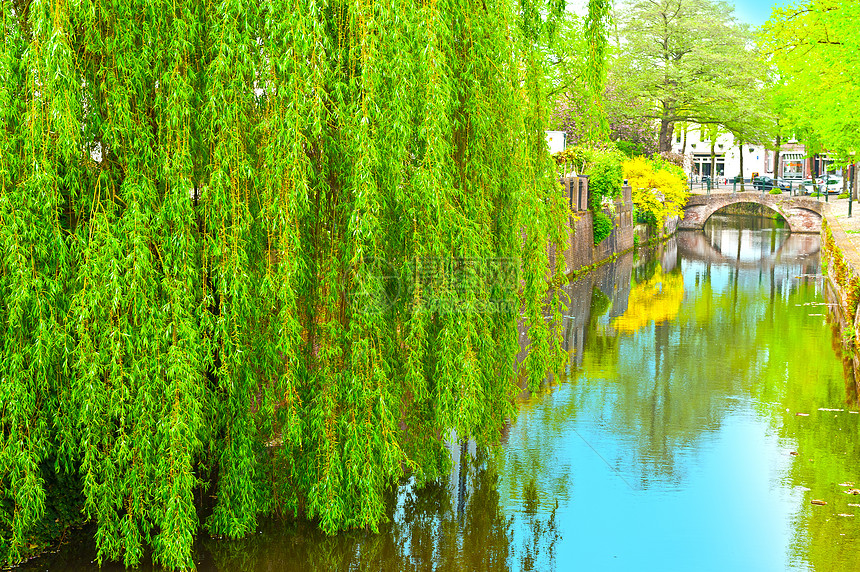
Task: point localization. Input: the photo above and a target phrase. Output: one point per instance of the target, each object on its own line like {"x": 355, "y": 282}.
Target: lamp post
{"x": 851, "y": 183}
{"x": 691, "y": 176}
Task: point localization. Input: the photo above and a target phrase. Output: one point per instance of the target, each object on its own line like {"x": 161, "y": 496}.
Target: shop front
{"x": 792, "y": 165}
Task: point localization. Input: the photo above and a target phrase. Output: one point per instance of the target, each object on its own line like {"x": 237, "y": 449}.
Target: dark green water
{"x": 694, "y": 428}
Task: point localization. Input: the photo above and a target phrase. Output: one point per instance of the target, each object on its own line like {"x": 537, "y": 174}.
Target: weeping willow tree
{"x": 272, "y": 250}
{"x": 596, "y": 37}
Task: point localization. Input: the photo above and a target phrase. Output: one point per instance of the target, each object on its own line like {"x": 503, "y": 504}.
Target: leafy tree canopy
{"x": 815, "y": 49}
{"x": 691, "y": 57}
{"x": 577, "y": 60}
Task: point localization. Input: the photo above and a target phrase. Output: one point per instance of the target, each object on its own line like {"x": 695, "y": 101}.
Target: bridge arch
{"x": 802, "y": 214}
{"x": 765, "y": 209}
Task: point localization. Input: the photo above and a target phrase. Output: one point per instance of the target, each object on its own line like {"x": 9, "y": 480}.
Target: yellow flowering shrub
{"x": 659, "y": 188}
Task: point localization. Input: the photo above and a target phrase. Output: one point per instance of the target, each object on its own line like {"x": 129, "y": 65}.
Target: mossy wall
{"x": 841, "y": 264}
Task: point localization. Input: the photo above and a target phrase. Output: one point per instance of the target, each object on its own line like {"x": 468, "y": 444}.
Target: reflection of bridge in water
{"x": 794, "y": 249}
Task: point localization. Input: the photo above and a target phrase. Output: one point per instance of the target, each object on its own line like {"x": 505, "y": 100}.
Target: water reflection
{"x": 425, "y": 532}
{"x": 683, "y": 428}
{"x": 607, "y": 288}
{"x": 749, "y": 242}
{"x": 440, "y": 527}
{"x": 673, "y": 443}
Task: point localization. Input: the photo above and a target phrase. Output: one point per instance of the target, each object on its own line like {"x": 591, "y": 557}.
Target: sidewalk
{"x": 838, "y": 213}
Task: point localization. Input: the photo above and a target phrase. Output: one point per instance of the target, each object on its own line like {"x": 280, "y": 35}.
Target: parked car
{"x": 833, "y": 183}
{"x": 759, "y": 182}
{"x": 769, "y": 183}
{"x": 808, "y": 186}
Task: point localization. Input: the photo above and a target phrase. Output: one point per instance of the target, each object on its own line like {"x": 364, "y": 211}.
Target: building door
{"x": 702, "y": 165}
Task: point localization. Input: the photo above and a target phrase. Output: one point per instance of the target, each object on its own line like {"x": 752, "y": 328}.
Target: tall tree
{"x": 596, "y": 24}
{"x": 278, "y": 250}
{"x": 689, "y": 57}
{"x": 625, "y": 117}
{"x": 751, "y": 119}
{"x": 577, "y": 60}
{"x": 815, "y": 47}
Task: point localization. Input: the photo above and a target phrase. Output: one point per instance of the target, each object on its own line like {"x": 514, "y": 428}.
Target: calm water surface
{"x": 704, "y": 408}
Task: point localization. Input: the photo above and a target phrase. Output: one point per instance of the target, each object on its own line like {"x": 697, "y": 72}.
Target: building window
{"x": 702, "y": 165}
{"x": 792, "y": 169}
{"x": 792, "y": 165}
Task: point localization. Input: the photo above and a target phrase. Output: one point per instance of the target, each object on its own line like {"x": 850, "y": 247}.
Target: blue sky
{"x": 754, "y": 12}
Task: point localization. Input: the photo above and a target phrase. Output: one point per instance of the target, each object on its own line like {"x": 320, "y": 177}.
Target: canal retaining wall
{"x": 648, "y": 234}
{"x": 841, "y": 264}
{"x": 580, "y": 251}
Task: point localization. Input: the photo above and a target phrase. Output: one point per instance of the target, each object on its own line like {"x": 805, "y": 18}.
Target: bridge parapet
{"x": 803, "y": 214}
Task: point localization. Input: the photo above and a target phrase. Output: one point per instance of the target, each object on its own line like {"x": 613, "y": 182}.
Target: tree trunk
{"x": 684, "y": 147}
{"x": 461, "y": 489}
{"x": 713, "y": 161}
{"x": 854, "y": 181}
{"x": 741, "y": 145}
{"x": 665, "y": 140}
{"x": 777, "y": 143}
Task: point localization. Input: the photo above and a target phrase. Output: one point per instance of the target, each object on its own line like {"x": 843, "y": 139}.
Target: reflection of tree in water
{"x": 600, "y": 303}
{"x": 601, "y": 345}
{"x": 538, "y": 552}
{"x": 692, "y": 365}
{"x": 645, "y": 270}
{"x": 425, "y": 532}
{"x": 827, "y": 447}
{"x": 665, "y": 386}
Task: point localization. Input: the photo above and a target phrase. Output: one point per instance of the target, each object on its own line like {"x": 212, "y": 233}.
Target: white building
{"x": 556, "y": 141}
{"x": 727, "y": 162}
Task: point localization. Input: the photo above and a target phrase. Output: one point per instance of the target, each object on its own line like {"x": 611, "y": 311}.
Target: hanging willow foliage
{"x": 278, "y": 249}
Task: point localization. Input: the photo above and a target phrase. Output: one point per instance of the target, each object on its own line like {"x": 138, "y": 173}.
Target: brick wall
{"x": 581, "y": 251}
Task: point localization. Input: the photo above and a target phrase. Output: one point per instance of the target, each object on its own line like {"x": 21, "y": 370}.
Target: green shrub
{"x": 843, "y": 196}
{"x": 602, "y": 226}
{"x": 645, "y": 217}
{"x": 635, "y": 241}
{"x": 631, "y": 149}
{"x": 775, "y": 191}
{"x": 605, "y": 177}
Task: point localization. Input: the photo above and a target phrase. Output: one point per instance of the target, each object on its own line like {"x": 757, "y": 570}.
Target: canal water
{"x": 704, "y": 408}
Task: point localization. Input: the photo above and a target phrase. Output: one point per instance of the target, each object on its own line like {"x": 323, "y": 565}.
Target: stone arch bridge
{"x": 803, "y": 214}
